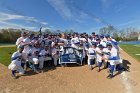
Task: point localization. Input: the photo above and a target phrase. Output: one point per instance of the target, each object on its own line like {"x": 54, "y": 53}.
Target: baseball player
{"x": 20, "y": 39}
{"x": 55, "y": 54}
{"x": 33, "y": 57}
{"x": 75, "y": 41}
{"x": 44, "y": 57}
{"x": 86, "y": 52}
{"x": 99, "y": 54}
{"x": 102, "y": 41}
{"x": 27, "y": 43}
{"x": 48, "y": 42}
{"x": 91, "y": 55}
{"x": 93, "y": 37}
{"x": 113, "y": 42}
{"x": 42, "y": 42}
{"x": 15, "y": 65}
{"x": 62, "y": 41}
{"x": 112, "y": 59}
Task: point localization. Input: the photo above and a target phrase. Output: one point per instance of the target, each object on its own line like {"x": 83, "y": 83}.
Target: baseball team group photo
{"x": 69, "y": 46}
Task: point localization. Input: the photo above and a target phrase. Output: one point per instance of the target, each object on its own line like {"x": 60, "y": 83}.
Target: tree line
{"x": 10, "y": 35}
{"x": 126, "y": 34}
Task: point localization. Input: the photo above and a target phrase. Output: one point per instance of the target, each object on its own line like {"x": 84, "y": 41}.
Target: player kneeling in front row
{"x": 45, "y": 58}
{"x": 34, "y": 57}
{"x": 15, "y": 65}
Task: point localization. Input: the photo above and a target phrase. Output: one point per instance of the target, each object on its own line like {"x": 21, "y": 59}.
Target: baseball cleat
{"x": 13, "y": 76}
{"x": 91, "y": 68}
{"x": 110, "y": 76}
{"x": 98, "y": 70}
{"x": 37, "y": 72}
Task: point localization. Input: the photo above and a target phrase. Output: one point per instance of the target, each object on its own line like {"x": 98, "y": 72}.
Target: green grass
{"x": 6, "y": 44}
{"x": 131, "y": 50}
{"x": 5, "y": 55}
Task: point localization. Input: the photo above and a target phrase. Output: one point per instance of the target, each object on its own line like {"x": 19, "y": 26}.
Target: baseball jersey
{"x": 43, "y": 52}
{"x": 34, "y": 52}
{"x": 112, "y": 53}
{"x": 16, "y": 58}
{"x": 19, "y": 41}
{"x": 27, "y": 47}
{"x": 91, "y": 51}
{"x": 54, "y": 51}
{"x": 99, "y": 51}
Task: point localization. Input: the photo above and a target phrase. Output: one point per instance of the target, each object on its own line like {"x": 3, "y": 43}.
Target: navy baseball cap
{"x": 36, "y": 36}
{"x": 97, "y": 36}
{"x": 102, "y": 36}
{"x": 21, "y": 47}
{"x": 43, "y": 34}
{"x": 93, "y": 32}
{"x": 24, "y": 33}
{"x": 54, "y": 35}
{"x": 100, "y": 46}
{"x": 97, "y": 39}
{"x": 50, "y": 34}
{"x": 107, "y": 36}
{"x": 46, "y": 45}
{"x": 31, "y": 34}
{"x": 94, "y": 43}
{"x": 108, "y": 44}
{"x": 37, "y": 44}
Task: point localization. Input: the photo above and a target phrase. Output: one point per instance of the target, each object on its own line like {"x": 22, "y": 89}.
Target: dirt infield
{"x": 74, "y": 80}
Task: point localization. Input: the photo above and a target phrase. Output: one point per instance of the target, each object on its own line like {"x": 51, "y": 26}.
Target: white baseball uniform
{"x": 113, "y": 56}
{"x": 91, "y": 54}
{"x": 98, "y": 55}
{"x": 55, "y": 56}
{"x": 43, "y": 57}
{"x": 16, "y": 62}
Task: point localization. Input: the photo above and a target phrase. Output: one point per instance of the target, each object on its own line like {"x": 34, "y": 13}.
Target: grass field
{"x": 6, "y": 44}
{"x": 132, "y": 50}
{"x": 5, "y": 54}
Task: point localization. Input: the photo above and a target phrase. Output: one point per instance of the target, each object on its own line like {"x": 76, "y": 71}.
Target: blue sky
{"x": 79, "y": 15}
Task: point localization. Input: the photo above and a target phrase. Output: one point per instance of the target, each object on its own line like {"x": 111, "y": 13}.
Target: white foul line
{"x": 137, "y": 45}
{"x": 120, "y": 48}
{"x": 137, "y": 54}
{"x": 126, "y": 83}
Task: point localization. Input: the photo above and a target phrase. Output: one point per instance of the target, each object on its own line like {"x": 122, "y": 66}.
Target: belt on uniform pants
{"x": 92, "y": 54}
